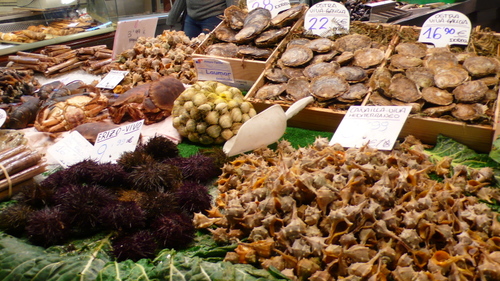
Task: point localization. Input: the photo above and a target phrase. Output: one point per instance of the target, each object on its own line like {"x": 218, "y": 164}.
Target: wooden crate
{"x": 477, "y": 137}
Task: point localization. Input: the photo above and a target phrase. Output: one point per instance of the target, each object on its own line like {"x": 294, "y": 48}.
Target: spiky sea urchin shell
{"x": 123, "y": 216}
{"x": 83, "y": 204}
{"x": 47, "y": 227}
{"x": 135, "y": 246}
{"x": 155, "y": 177}
{"x": 36, "y": 195}
{"x": 14, "y": 217}
{"x": 159, "y": 203}
{"x": 161, "y": 148}
{"x": 193, "y": 197}
{"x": 199, "y": 167}
{"x": 133, "y": 159}
{"x": 173, "y": 230}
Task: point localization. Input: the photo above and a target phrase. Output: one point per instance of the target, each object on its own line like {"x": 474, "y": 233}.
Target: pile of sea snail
{"x": 327, "y": 213}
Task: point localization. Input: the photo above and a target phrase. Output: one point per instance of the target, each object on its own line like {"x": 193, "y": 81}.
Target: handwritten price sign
{"x": 109, "y": 145}
{"x": 375, "y": 126}
{"x": 327, "y": 18}
{"x": 446, "y": 28}
{"x": 127, "y": 33}
{"x": 274, "y": 6}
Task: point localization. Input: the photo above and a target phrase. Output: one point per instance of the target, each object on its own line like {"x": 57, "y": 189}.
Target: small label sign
{"x": 3, "y": 117}
{"x": 327, "y": 18}
{"x": 446, "y": 28}
{"x": 274, "y": 6}
{"x": 113, "y": 78}
{"x": 377, "y": 126}
{"x": 109, "y": 145}
{"x": 71, "y": 149}
{"x": 214, "y": 69}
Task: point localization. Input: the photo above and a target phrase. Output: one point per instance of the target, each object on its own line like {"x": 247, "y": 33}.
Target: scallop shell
{"x": 418, "y": 50}
{"x": 228, "y": 50}
{"x": 422, "y": 76}
{"x": 404, "y": 62}
{"x": 326, "y": 57}
{"x": 450, "y": 77}
{"x": 225, "y": 33}
{"x": 329, "y": 86}
{"x": 318, "y": 69}
{"x": 320, "y": 45}
{"x": 288, "y": 16}
{"x": 470, "y": 91}
{"x": 254, "y": 52}
{"x": 344, "y": 58}
{"x": 436, "y": 111}
{"x": 353, "y": 42}
{"x": 276, "y": 74}
{"x": 270, "y": 37}
{"x": 255, "y": 22}
{"x": 352, "y": 74}
{"x": 292, "y": 72}
{"x": 298, "y": 87}
{"x": 380, "y": 79}
{"x": 480, "y": 66}
{"x": 368, "y": 57}
{"x": 437, "y": 96}
{"x": 404, "y": 89}
{"x": 356, "y": 93}
{"x": 296, "y": 55}
{"x": 298, "y": 41}
{"x": 468, "y": 112}
{"x": 270, "y": 91}
{"x": 234, "y": 17}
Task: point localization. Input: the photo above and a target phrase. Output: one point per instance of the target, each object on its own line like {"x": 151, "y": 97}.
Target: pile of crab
{"x": 437, "y": 82}
{"x": 335, "y": 71}
{"x": 327, "y": 213}
{"x": 251, "y": 34}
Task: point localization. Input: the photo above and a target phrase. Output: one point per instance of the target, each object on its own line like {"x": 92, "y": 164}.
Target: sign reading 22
{"x": 322, "y": 22}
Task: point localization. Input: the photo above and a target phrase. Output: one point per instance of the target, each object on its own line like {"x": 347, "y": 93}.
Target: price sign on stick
{"x": 127, "y": 33}
{"x": 213, "y": 69}
{"x": 274, "y": 6}
{"x": 446, "y": 28}
{"x": 377, "y": 126}
{"x": 109, "y": 145}
{"x": 327, "y": 18}
{"x": 71, "y": 149}
{"x": 113, "y": 78}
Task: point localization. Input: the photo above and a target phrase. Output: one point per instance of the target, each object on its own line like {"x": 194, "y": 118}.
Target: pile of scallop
{"x": 334, "y": 71}
{"x": 253, "y": 34}
{"x": 437, "y": 82}
{"x": 327, "y": 213}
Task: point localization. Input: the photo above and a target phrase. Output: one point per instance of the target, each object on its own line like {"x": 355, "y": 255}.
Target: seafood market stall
{"x": 178, "y": 206}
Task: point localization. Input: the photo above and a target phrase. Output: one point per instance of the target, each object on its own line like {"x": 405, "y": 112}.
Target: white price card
{"x": 214, "y": 69}
{"x": 71, "y": 149}
{"x": 127, "y": 33}
{"x": 327, "y": 18}
{"x": 109, "y": 145}
{"x": 375, "y": 126}
{"x": 3, "y": 116}
{"x": 274, "y": 6}
{"x": 113, "y": 78}
{"x": 446, "y": 28}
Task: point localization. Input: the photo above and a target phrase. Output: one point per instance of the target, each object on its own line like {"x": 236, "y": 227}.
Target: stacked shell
{"x": 327, "y": 213}
{"x": 335, "y": 72}
{"x": 210, "y": 112}
{"x": 252, "y": 34}
{"x": 437, "y": 82}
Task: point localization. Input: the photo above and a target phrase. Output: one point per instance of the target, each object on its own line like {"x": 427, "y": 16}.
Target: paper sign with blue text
{"x": 214, "y": 69}
{"x": 446, "y": 28}
{"x": 71, "y": 149}
{"x": 377, "y": 126}
{"x": 127, "y": 33}
{"x": 113, "y": 78}
{"x": 327, "y": 18}
{"x": 109, "y": 145}
{"x": 274, "y": 6}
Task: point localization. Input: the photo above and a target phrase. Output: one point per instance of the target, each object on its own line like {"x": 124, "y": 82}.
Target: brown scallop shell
{"x": 368, "y": 57}
{"x": 356, "y": 93}
{"x": 352, "y": 74}
{"x": 353, "y": 42}
{"x": 234, "y": 16}
{"x": 404, "y": 89}
{"x": 270, "y": 91}
{"x": 437, "y": 96}
{"x": 298, "y": 87}
{"x": 470, "y": 91}
{"x": 450, "y": 77}
{"x": 320, "y": 45}
{"x": 480, "y": 66}
{"x": 422, "y": 76}
{"x": 271, "y": 36}
{"x": 418, "y": 50}
{"x": 321, "y": 68}
{"x": 404, "y": 62}
{"x": 228, "y": 50}
{"x": 468, "y": 111}
{"x": 296, "y": 55}
{"x": 276, "y": 74}
{"x": 328, "y": 86}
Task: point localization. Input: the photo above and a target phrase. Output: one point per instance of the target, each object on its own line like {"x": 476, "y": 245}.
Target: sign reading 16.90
{"x": 446, "y": 28}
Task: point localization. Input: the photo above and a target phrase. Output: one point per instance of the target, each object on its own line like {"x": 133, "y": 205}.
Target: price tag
{"x": 71, "y": 149}
{"x": 446, "y": 28}
{"x": 274, "y": 6}
{"x": 327, "y": 18}
{"x": 3, "y": 116}
{"x": 109, "y": 145}
{"x": 113, "y": 78}
{"x": 127, "y": 33}
{"x": 214, "y": 69}
{"x": 377, "y": 126}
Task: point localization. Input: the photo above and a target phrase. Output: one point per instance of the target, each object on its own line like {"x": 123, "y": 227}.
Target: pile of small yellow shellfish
{"x": 327, "y": 213}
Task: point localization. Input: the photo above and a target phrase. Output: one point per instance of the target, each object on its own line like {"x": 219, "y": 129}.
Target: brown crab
{"x": 151, "y": 101}
{"x": 67, "y": 112}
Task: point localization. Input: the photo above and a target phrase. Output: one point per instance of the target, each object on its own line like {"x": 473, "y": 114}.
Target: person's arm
{"x": 174, "y": 16}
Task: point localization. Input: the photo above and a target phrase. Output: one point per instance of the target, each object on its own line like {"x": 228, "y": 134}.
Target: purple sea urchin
{"x": 161, "y": 148}
{"x": 14, "y": 217}
{"x": 122, "y": 215}
{"x": 47, "y": 227}
{"x": 36, "y": 195}
{"x": 173, "y": 230}
{"x": 155, "y": 177}
{"x": 199, "y": 167}
{"x": 135, "y": 246}
{"x": 83, "y": 204}
{"x": 133, "y": 159}
{"x": 159, "y": 203}
{"x": 193, "y": 197}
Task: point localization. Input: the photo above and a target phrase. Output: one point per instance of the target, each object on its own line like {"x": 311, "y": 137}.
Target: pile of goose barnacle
{"x": 327, "y": 213}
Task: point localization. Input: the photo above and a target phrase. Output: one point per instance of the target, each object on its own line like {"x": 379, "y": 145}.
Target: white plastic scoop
{"x": 264, "y": 128}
